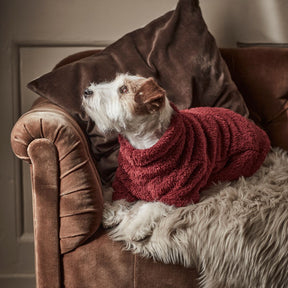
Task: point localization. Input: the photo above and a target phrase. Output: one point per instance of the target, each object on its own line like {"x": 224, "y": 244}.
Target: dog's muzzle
{"x": 88, "y": 93}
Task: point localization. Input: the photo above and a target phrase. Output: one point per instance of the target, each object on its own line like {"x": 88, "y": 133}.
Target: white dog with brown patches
{"x": 223, "y": 146}
{"x": 169, "y": 155}
{"x": 121, "y": 106}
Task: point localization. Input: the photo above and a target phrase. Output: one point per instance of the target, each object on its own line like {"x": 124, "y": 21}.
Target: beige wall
{"x": 105, "y": 20}
{"x": 233, "y": 21}
{"x": 35, "y": 34}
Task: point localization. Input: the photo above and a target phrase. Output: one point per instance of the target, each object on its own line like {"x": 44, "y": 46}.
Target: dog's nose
{"x": 88, "y": 92}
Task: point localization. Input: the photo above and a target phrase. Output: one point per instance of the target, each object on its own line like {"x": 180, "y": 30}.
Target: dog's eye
{"x": 123, "y": 89}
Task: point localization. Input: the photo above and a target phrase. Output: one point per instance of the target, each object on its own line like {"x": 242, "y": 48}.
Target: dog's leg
{"x": 170, "y": 238}
{"x": 139, "y": 220}
{"x": 115, "y": 212}
{"x": 149, "y": 214}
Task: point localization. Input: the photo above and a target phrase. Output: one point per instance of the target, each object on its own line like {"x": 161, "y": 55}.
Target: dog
{"x": 138, "y": 109}
{"x": 167, "y": 155}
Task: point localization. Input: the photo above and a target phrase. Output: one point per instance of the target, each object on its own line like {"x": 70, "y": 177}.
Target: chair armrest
{"x": 67, "y": 196}
{"x": 78, "y": 182}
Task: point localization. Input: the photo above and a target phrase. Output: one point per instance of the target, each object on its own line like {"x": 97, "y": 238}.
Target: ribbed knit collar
{"x": 170, "y": 145}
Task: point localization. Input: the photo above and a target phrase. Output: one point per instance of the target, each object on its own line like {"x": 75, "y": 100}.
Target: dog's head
{"x": 118, "y": 104}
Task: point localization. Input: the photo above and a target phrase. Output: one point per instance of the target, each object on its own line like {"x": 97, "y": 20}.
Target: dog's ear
{"x": 151, "y": 95}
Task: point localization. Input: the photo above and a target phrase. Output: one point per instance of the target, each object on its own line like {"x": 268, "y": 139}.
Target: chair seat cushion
{"x": 103, "y": 263}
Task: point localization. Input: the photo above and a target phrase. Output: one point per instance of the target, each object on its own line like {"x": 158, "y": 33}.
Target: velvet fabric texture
{"x": 201, "y": 145}
{"x": 261, "y": 73}
{"x": 74, "y": 175}
{"x": 45, "y": 171}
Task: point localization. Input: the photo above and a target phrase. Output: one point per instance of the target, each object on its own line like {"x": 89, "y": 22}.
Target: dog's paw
{"x": 169, "y": 239}
{"x": 139, "y": 222}
{"x": 114, "y": 213}
{"x": 149, "y": 214}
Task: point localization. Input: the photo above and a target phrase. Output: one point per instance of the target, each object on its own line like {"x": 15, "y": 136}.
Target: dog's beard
{"x": 103, "y": 123}
{"x": 109, "y": 117}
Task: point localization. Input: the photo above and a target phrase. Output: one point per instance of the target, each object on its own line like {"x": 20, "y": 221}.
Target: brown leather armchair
{"x": 71, "y": 249}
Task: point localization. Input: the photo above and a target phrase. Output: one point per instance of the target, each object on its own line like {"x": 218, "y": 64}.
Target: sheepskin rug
{"x": 236, "y": 236}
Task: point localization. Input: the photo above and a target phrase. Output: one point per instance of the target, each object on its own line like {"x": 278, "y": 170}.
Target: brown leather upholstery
{"x": 71, "y": 248}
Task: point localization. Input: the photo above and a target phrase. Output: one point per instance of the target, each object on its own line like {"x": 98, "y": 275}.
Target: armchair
{"x": 71, "y": 248}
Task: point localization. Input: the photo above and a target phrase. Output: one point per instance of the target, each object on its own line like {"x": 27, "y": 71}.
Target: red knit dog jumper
{"x": 201, "y": 146}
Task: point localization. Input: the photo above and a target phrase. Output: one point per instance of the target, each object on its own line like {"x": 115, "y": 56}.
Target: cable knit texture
{"x": 201, "y": 146}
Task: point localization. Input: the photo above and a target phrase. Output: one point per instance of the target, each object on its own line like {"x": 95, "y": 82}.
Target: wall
{"x": 251, "y": 21}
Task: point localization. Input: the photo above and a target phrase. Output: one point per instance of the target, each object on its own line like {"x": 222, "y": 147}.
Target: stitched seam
{"x": 75, "y": 168}
{"x": 88, "y": 211}
{"x": 28, "y": 132}
{"x": 58, "y": 132}
{"x": 73, "y": 236}
{"x": 84, "y": 190}
{"x": 73, "y": 148}
{"x": 41, "y": 128}
{"x": 134, "y": 273}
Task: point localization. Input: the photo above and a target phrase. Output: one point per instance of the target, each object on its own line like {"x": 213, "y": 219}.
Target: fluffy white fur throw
{"x": 237, "y": 236}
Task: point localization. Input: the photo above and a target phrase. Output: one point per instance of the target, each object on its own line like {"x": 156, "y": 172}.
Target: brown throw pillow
{"x": 176, "y": 49}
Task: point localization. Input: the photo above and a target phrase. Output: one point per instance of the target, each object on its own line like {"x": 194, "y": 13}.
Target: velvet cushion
{"x": 176, "y": 49}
